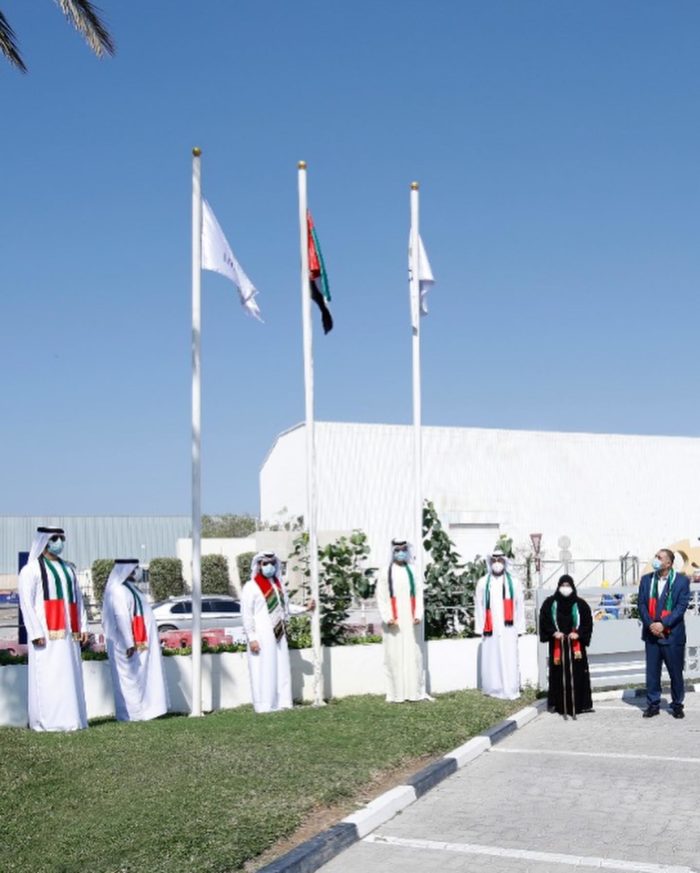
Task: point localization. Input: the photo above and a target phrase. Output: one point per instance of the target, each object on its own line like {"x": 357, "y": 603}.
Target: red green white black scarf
{"x": 575, "y": 644}
{"x": 508, "y": 606}
{"x": 654, "y": 598}
{"x": 138, "y": 625}
{"x": 271, "y": 590}
{"x": 411, "y": 589}
{"x": 60, "y": 586}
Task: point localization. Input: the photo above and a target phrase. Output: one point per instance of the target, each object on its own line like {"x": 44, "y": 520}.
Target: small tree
{"x": 165, "y": 575}
{"x": 243, "y": 562}
{"x": 229, "y": 526}
{"x": 100, "y": 570}
{"x": 215, "y": 574}
{"x": 449, "y": 596}
{"x": 342, "y": 576}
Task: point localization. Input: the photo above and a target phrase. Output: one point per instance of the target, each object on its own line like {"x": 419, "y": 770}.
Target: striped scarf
{"x": 271, "y": 590}
{"x": 60, "y": 590}
{"x": 654, "y": 598}
{"x": 412, "y": 593}
{"x": 138, "y": 624}
{"x": 575, "y": 644}
{"x": 508, "y": 610}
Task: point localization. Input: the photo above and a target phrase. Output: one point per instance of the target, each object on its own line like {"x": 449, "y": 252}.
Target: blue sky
{"x": 556, "y": 144}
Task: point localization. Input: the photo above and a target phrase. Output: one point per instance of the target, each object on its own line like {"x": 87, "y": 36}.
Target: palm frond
{"x": 85, "y": 19}
{"x": 8, "y": 46}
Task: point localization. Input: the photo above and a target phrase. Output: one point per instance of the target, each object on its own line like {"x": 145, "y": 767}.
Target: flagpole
{"x": 196, "y": 432}
{"x": 310, "y": 437}
{"x": 415, "y": 324}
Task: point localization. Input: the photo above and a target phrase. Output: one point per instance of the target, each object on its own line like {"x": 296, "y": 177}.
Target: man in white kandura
{"x": 56, "y": 622}
{"x": 265, "y": 608}
{"x": 400, "y": 604}
{"x": 499, "y": 616}
{"x": 133, "y": 646}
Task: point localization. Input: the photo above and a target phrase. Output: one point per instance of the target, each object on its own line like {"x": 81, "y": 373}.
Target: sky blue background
{"x": 557, "y": 146}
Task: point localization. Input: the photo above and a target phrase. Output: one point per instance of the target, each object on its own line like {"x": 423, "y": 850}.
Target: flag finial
{"x": 196, "y": 151}
{"x": 414, "y": 186}
{"x": 301, "y": 165}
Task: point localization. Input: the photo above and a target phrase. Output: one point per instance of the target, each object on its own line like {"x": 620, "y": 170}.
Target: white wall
{"x": 609, "y": 494}
{"x": 451, "y": 666}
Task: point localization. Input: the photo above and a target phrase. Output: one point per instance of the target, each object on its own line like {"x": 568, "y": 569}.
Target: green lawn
{"x": 205, "y": 795}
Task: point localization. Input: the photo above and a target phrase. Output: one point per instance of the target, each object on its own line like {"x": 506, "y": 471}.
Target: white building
{"x": 596, "y": 496}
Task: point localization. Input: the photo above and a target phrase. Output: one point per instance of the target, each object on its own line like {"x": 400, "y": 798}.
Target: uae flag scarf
{"x": 575, "y": 644}
{"x": 138, "y": 624}
{"x": 412, "y": 593}
{"x": 271, "y": 590}
{"x": 59, "y": 585}
{"x": 507, "y": 604}
{"x": 654, "y": 598}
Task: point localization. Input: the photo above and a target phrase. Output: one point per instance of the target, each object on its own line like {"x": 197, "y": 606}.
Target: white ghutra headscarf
{"x": 41, "y": 540}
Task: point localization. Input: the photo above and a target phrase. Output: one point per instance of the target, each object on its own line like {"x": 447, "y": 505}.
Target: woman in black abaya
{"x": 566, "y": 624}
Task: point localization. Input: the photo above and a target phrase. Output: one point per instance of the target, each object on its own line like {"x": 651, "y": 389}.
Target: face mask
{"x": 268, "y": 570}
{"x": 136, "y": 576}
{"x": 401, "y": 555}
{"x": 566, "y": 591}
{"x": 656, "y": 564}
{"x": 55, "y": 547}
{"x": 497, "y": 568}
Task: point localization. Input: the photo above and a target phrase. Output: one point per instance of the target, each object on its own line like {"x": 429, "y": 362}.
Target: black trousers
{"x": 673, "y": 657}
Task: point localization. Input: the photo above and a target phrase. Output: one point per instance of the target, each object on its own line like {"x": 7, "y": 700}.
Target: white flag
{"x": 217, "y": 256}
{"x": 425, "y": 274}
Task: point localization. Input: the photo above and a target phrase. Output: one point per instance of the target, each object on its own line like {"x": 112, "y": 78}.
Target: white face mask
{"x": 497, "y": 567}
{"x": 566, "y": 591}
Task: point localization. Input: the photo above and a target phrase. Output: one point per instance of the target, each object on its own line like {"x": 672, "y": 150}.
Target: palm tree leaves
{"x": 8, "y": 46}
{"x": 84, "y": 17}
{"x": 86, "y": 20}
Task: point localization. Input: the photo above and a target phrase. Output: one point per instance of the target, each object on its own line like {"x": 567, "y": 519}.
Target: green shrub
{"x": 299, "y": 632}
{"x": 165, "y": 575}
{"x": 100, "y": 570}
{"x": 243, "y": 562}
{"x": 227, "y": 526}
{"x": 215, "y": 574}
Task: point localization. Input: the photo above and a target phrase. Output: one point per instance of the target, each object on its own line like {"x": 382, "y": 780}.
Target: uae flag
{"x": 318, "y": 278}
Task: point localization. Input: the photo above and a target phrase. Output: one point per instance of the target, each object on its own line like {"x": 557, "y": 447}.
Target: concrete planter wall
{"x": 452, "y": 665}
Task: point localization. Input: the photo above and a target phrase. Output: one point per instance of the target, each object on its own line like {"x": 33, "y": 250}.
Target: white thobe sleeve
{"x": 248, "y": 611}
{"x": 383, "y": 600}
{"x": 519, "y": 618}
{"x": 479, "y": 611}
{"x": 119, "y": 604}
{"x": 28, "y": 584}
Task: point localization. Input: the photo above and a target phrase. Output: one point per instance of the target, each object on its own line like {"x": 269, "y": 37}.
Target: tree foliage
{"x": 215, "y": 574}
{"x": 99, "y": 571}
{"x": 81, "y": 14}
{"x": 165, "y": 576}
{"x": 450, "y": 583}
{"x": 243, "y": 562}
{"x": 343, "y": 576}
{"x": 228, "y": 526}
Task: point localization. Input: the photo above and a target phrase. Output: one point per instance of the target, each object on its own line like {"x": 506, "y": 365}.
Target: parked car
{"x": 218, "y": 611}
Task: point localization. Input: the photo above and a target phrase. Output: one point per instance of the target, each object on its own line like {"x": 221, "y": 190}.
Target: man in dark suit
{"x": 663, "y": 601}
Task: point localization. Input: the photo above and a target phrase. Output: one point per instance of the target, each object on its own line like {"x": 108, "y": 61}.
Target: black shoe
{"x": 650, "y": 712}
{"x": 677, "y": 712}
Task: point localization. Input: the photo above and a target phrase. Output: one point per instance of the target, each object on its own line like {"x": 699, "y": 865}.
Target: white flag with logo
{"x": 425, "y": 274}
{"x": 217, "y": 256}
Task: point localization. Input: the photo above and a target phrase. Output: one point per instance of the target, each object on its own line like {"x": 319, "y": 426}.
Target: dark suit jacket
{"x": 680, "y": 597}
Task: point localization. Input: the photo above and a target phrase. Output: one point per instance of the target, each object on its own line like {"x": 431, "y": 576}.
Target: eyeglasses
{"x": 57, "y": 537}
{"x": 267, "y": 563}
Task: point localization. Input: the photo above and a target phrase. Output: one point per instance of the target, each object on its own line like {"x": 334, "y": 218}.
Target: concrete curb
{"x": 313, "y": 853}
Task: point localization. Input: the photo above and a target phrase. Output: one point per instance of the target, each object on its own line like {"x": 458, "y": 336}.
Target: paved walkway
{"x": 609, "y": 791}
